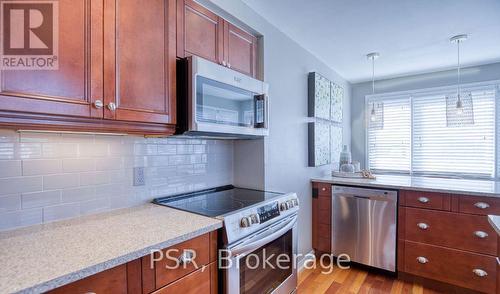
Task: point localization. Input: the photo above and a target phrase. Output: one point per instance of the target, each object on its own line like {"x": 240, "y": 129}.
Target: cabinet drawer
{"x": 165, "y": 271}
{"x": 459, "y": 231}
{"x": 109, "y": 281}
{"x": 439, "y": 201}
{"x": 194, "y": 283}
{"x": 451, "y": 266}
{"x": 479, "y": 205}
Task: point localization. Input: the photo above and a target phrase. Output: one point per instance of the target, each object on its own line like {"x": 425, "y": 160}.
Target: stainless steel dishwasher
{"x": 364, "y": 225}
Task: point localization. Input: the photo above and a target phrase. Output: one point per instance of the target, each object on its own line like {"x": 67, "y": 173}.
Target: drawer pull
{"x": 323, "y": 189}
{"x": 186, "y": 257}
{"x": 481, "y": 205}
{"x": 481, "y": 234}
{"x": 422, "y": 260}
{"x": 423, "y": 199}
{"x": 479, "y": 272}
{"x": 423, "y": 226}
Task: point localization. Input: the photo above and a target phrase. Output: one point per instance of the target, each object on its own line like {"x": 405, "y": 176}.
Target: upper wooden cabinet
{"x": 78, "y": 82}
{"x": 201, "y": 32}
{"x": 139, "y": 60}
{"x": 116, "y": 72}
{"x": 240, "y": 50}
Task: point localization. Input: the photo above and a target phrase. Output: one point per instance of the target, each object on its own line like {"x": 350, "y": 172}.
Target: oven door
{"x": 265, "y": 261}
{"x": 225, "y": 101}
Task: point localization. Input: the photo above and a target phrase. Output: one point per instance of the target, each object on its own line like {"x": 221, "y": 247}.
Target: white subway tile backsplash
{"x": 62, "y": 211}
{"x": 47, "y": 177}
{"x": 41, "y": 167}
{"x": 61, "y": 181}
{"x": 94, "y": 178}
{"x": 79, "y": 165}
{"x": 20, "y": 218}
{"x": 78, "y": 194}
{"x": 41, "y": 199}
{"x": 10, "y": 202}
{"x": 20, "y": 185}
{"x": 10, "y": 168}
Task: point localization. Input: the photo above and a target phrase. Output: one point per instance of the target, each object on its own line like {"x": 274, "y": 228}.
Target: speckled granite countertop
{"x": 43, "y": 257}
{"x": 428, "y": 184}
{"x": 495, "y": 222}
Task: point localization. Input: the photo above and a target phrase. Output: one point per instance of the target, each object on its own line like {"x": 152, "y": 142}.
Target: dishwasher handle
{"x": 374, "y": 198}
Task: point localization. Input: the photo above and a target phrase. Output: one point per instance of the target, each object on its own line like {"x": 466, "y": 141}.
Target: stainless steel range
{"x": 259, "y": 240}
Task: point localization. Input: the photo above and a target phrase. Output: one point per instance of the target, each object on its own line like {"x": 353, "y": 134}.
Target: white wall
{"x": 436, "y": 79}
{"x": 285, "y": 150}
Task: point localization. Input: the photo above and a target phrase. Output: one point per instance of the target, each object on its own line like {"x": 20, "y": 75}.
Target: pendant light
{"x": 372, "y": 56}
{"x": 459, "y": 104}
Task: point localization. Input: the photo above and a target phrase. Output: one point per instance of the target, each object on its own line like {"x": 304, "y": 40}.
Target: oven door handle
{"x": 264, "y": 238}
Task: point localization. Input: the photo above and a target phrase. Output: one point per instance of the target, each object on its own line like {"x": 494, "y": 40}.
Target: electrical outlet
{"x": 139, "y": 177}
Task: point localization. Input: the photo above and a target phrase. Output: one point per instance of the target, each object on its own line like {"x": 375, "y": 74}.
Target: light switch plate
{"x": 139, "y": 177}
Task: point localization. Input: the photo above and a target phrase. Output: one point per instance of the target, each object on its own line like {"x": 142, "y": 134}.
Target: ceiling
{"x": 412, "y": 36}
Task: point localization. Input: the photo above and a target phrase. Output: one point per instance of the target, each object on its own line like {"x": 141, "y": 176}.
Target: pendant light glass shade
{"x": 459, "y": 106}
{"x": 374, "y": 114}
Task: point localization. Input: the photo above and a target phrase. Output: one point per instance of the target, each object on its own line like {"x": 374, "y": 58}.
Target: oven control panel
{"x": 253, "y": 219}
{"x": 268, "y": 212}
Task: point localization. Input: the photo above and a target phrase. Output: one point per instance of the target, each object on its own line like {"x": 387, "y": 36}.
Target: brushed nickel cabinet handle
{"x": 423, "y": 199}
{"x": 229, "y": 65}
{"x": 186, "y": 257}
{"x": 112, "y": 106}
{"x": 481, "y": 205}
{"x": 98, "y": 104}
{"x": 423, "y": 226}
{"x": 223, "y": 62}
{"x": 479, "y": 272}
{"x": 323, "y": 189}
{"x": 481, "y": 234}
{"x": 422, "y": 260}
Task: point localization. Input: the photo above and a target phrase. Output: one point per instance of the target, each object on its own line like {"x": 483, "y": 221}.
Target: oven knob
{"x": 246, "y": 222}
{"x": 296, "y": 202}
{"x": 289, "y": 203}
{"x": 254, "y": 218}
{"x": 283, "y": 206}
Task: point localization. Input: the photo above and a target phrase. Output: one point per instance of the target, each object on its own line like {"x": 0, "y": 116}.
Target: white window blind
{"x": 389, "y": 135}
{"x": 415, "y": 137}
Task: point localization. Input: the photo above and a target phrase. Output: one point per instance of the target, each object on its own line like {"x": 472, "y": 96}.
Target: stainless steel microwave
{"x": 218, "y": 102}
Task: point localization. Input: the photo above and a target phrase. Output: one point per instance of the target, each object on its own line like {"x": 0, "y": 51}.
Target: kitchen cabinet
{"x": 116, "y": 72}
{"x": 144, "y": 275}
{"x": 77, "y": 84}
{"x": 201, "y": 32}
{"x": 240, "y": 50}
{"x": 321, "y": 218}
{"x": 443, "y": 241}
{"x": 449, "y": 241}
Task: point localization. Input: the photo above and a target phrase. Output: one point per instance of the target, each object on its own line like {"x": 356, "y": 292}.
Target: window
{"x": 410, "y": 133}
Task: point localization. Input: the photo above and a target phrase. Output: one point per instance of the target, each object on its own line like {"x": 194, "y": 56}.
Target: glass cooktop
{"x": 217, "y": 201}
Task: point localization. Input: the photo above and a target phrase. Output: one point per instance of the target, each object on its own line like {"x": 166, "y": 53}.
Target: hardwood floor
{"x": 354, "y": 281}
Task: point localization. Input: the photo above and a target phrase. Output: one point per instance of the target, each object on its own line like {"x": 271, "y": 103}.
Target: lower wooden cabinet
{"x": 321, "y": 217}
{"x": 447, "y": 238}
{"x": 203, "y": 280}
{"x": 465, "y": 269}
{"x": 195, "y": 274}
{"x": 113, "y": 280}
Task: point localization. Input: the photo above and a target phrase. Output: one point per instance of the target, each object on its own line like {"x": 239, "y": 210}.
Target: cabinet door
{"x": 139, "y": 60}
{"x": 199, "y": 32}
{"x": 78, "y": 82}
{"x": 240, "y": 50}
